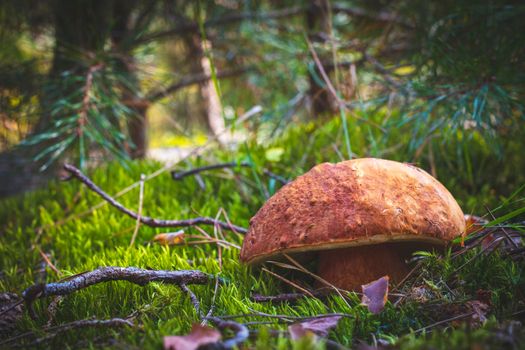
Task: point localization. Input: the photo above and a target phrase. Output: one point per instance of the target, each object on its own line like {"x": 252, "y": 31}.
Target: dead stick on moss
{"x": 139, "y": 213}
{"x": 241, "y": 332}
{"x": 285, "y": 280}
{"x": 182, "y": 174}
{"x": 193, "y": 298}
{"x": 507, "y": 235}
{"x": 286, "y": 318}
{"x": 112, "y": 273}
{"x": 212, "y": 306}
{"x": 439, "y": 323}
{"x": 301, "y": 268}
{"x": 255, "y": 110}
{"x": 286, "y": 297}
{"x": 52, "y": 309}
{"x": 48, "y": 262}
{"x": 54, "y": 331}
{"x": 493, "y": 245}
{"x": 152, "y": 222}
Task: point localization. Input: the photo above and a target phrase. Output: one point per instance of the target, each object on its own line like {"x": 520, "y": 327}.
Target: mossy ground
{"x": 102, "y": 238}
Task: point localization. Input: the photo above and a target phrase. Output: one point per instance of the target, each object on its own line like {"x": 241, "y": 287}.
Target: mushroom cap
{"x": 352, "y": 203}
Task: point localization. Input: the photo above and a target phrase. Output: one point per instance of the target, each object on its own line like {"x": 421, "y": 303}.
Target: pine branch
{"x": 192, "y": 26}
{"x": 192, "y": 80}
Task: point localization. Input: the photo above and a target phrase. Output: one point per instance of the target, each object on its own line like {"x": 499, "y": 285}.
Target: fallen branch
{"x": 448, "y": 320}
{"x": 182, "y": 174}
{"x": 193, "y": 298}
{"x": 275, "y": 176}
{"x": 152, "y": 222}
{"x": 287, "y": 297}
{"x": 286, "y": 318}
{"x": 56, "y": 330}
{"x": 241, "y": 332}
{"x": 112, "y": 273}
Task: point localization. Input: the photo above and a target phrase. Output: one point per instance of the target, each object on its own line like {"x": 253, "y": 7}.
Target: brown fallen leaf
{"x": 172, "y": 238}
{"x": 199, "y": 336}
{"x": 314, "y": 327}
{"x": 479, "y": 310}
{"x": 485, "y": 296}
{"x": 375, "y": 295}
{"x": 473, "y": 224}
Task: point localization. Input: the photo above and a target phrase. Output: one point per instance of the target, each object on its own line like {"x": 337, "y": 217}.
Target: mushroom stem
{"x": 350, "y": 268}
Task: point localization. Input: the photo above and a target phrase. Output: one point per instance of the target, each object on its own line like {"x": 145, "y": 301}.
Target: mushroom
{"x": 363, "y": 218}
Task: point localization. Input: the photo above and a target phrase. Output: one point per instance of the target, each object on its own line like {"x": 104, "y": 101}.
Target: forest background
{"x": 123, "y": 88}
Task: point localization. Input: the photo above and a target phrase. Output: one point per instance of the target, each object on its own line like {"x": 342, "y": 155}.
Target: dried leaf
{"x": 375, "y": 295}
{"x": 314, "y": 327}
{"x": 479, "y": 310}
{"x": 199, "y": 336}
{"x": 485, "y": 296}
{"x": 473, "y": 224}
{"x": 172, "y": 238}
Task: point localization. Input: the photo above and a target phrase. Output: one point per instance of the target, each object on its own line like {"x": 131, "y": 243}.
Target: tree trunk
{"x": 210, "y": 106}
{"x": 318, "y": 21}
{"x": 120, "y": 37}
{"x": 212, "y": 100}
{"x": 138, "y": 127}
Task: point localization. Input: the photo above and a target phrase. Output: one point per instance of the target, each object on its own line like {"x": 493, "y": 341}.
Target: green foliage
{"x": 86, "y": 113}
{"x": 442, "y": 72}
{"x": 490, "y": 336}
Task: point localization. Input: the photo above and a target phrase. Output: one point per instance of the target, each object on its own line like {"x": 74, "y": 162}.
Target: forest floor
{"x": 470, "y": 297}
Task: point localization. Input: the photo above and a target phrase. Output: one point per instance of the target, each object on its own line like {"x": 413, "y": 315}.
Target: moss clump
{"x": 53, "y": 221}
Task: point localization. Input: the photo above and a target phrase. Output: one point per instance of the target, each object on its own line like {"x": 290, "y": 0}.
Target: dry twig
{"x": 286, "y": 297}
{"x": 139, "y": 214}
{"x": 197, "y": 151}
{"x": 112, "y": 273}
{"x": 182, "y": 174}
{"x": 193, "y": 298}
{"x": 56, "y": 330}
{"x": 241, "y": 332}
{"x": 152, "y": 222}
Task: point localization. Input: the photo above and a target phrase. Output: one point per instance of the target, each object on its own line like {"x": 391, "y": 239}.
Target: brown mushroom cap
{"x": 353, "y": 203}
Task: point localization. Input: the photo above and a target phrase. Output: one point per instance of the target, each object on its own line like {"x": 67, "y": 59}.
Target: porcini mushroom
{"x": 362, "y": 217}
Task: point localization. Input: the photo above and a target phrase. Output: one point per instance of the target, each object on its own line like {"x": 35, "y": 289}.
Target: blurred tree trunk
{"x": 121, "y": 37}
{"x": 193, "y": 61}
{"x": 211, "y": 106}
{"x": 318, "y": 23}
{"x": 212, "y": 100}
{"x": 81, "y": 30}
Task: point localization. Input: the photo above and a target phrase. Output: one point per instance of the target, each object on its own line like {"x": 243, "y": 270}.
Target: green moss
{"x": 101, "y": 238}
